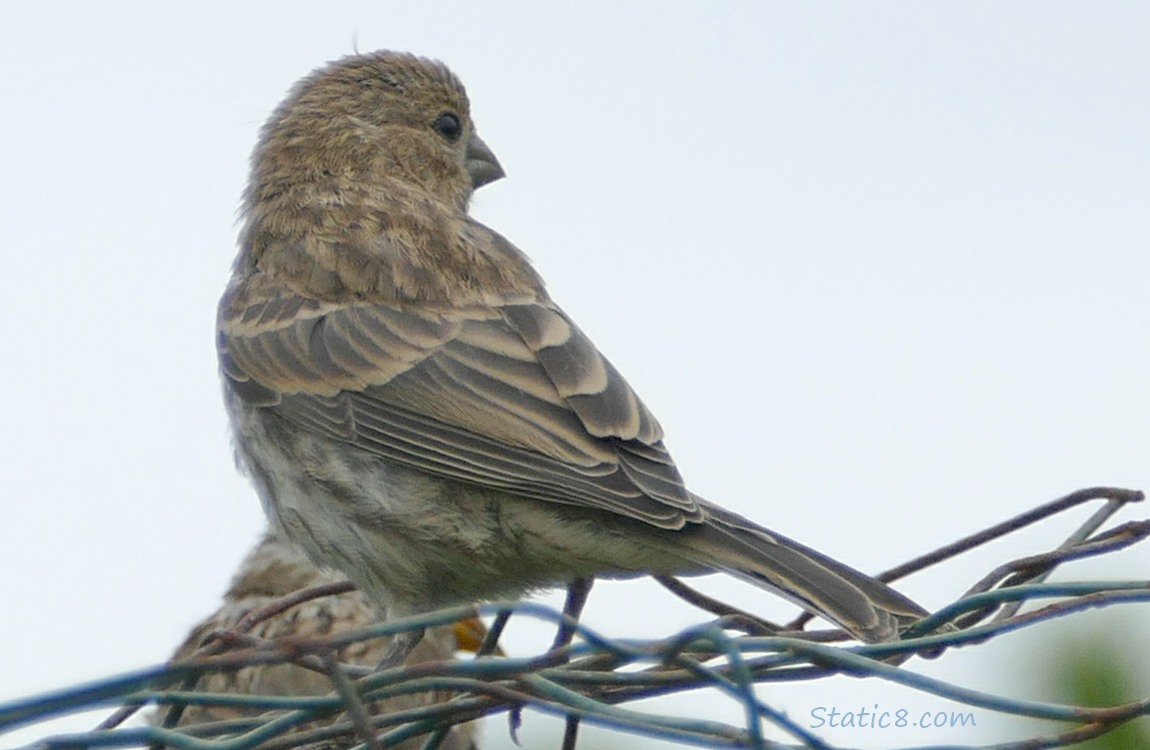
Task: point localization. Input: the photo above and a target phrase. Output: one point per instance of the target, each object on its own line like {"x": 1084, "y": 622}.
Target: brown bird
{"x": 274, "y": 569}
{"x": 413, "y": 407}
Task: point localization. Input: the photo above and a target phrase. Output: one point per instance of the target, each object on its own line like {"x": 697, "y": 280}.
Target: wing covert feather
{"x": 514, "y": 397}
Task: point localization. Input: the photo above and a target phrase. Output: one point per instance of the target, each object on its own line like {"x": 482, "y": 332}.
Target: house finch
{"x": 272, "y": 570}
{"x": 412, "y": 406}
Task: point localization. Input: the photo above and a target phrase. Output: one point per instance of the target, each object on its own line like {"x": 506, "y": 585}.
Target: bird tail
{"x": 866, "y": 607}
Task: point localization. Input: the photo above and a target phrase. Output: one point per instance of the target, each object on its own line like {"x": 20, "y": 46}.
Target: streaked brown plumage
{"x": 274, "y": 569}
{"x": 413, "y": 407}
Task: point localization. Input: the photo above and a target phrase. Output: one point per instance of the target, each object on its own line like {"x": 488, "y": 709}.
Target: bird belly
{"x": 414, "y": 541}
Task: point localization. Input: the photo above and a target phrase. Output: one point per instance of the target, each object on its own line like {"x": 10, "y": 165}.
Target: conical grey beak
{"x": 481, "y": 163}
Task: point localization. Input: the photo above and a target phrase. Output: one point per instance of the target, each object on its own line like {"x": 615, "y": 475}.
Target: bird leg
{"x": 400, "y": 647}
{"x": 577, "y": 593}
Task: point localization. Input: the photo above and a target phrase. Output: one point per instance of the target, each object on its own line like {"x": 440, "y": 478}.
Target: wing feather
{"x": 514, "y": 398}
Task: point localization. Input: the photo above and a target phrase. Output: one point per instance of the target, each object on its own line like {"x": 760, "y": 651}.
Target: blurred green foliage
{"x": 1096, "y": 671}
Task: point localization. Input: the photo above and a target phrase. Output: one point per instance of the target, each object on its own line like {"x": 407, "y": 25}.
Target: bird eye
{"x": 448, "y": 126}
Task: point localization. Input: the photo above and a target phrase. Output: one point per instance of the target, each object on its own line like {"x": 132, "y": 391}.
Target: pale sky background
{"x": 880, "y": 269}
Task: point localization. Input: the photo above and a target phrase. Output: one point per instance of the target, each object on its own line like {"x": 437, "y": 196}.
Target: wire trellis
{"x": 595, "y": 677}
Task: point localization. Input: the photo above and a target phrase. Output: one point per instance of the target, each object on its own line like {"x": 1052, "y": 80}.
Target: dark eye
{"x": 448, "y": 126}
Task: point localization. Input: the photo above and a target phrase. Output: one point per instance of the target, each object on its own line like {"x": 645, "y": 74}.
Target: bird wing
{"x": 509, "y": 396}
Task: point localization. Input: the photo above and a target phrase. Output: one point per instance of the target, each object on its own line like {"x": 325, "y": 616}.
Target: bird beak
{"x": 481, "y": 163}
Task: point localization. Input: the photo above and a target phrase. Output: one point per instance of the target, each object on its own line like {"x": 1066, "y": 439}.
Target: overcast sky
{"x": 880, "y": 270}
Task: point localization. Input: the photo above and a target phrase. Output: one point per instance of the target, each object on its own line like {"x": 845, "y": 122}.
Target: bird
{"x": 272, "y": 569}
{"x": 416, "y": 411}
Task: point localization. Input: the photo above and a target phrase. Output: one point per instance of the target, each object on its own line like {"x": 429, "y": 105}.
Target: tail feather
{"x": 866, "y": 607}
